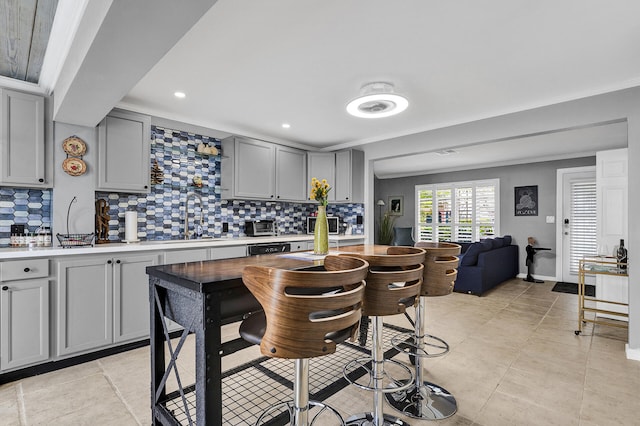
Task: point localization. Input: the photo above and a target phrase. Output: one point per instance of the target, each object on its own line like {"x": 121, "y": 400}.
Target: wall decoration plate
{"x": 74, "y": 166}
{"x": 75, "y": 146}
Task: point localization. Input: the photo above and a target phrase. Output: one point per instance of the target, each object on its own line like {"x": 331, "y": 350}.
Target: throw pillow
{"x": 470, "y": 257}
{"x": 507, "y": 240}
{"x": 486, "y": 244}
{"x": 498, "y": 242}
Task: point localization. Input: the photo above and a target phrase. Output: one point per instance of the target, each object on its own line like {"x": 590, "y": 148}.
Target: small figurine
{"x": 531, "y": 252}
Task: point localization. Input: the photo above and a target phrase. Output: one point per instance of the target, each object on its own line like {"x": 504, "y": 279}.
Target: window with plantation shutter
{"x": 464, "y": 211}
{"x": 582, "y": 223}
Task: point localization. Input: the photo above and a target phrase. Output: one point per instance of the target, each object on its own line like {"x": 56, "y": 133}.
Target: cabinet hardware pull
{"x": 40, "y": 180}
{"x": 27, "y": 269}
{"x": 109, "y": 262}
{"x": 118, "y": 261}
{"x": 5, "y": 288}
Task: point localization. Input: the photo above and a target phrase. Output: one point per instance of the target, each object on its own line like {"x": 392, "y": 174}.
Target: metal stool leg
{"x": 424, "y": 400}
{"x": 299, "y": 408}
{"x": 377, "y": 416}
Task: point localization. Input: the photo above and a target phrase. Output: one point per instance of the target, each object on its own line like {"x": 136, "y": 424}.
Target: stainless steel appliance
{"x": 260, "y": 228}
{"x": 334, "y": 224}
{"x": 266, "y": 248}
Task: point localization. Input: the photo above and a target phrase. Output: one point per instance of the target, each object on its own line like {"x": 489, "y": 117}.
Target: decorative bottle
{"x": 621, "y": 255}
{"x": 321, "y": 232}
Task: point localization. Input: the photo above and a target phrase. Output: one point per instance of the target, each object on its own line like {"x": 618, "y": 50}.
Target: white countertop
{"x": 24, "y": 252}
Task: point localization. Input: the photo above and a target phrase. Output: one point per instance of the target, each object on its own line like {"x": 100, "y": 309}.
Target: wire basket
{"x": 75, "y": 240}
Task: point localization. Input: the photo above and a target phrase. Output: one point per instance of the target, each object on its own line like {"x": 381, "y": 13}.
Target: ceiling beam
{"x": 116, "y": 44}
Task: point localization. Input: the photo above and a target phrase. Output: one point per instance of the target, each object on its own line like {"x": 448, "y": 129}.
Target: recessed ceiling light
{"x": 180, "y": 95}
{"x": 377, "y": 100}
{"x": 286, "y": 125}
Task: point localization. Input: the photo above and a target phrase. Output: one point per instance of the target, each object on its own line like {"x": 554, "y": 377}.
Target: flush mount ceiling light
{"x": 180, "y": 95}
{"x": 377, "y": 100}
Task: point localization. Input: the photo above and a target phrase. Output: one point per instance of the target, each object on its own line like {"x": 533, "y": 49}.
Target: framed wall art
{"x": 526, "y": 200}
{"x": 396, "y": 205}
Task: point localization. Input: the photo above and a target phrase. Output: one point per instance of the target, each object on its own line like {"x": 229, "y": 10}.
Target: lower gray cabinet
{"x": 101, "y": 301}
{"x": 24, "y": 323}
{"x": 131, "y": 297}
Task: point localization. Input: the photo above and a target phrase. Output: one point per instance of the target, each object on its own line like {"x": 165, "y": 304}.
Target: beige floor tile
{"x": 604, "y": 408}
{"x": 562, "y": 337}
{"x": 508, "y": 410}
{"x": 8, "y": 392}
{"x": 9, "y": 413}
{"x": 60, "y": 377}
{"x": 76, "y": 402}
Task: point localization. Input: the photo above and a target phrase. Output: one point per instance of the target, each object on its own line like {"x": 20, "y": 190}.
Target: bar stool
{"x": 393, "y": 283}
{"x": 305, "y": 314}
{"x": 425, "y": 400}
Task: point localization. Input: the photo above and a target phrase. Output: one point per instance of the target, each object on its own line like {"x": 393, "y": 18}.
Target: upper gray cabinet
{"x": 344, "y": 170}
{"x": 22, "y": 141}
{"x": 124, "y": 140}
{"x": 258, "y": 170}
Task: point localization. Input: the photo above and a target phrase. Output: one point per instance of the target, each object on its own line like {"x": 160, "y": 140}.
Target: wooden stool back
{"x": 440, "y": 266}
{"x": 394, "y": 280}
{"x": 303, "y": 308}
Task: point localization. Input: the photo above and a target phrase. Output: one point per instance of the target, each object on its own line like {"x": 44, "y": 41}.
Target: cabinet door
{"x": 254, "y": 169}
{"x": 124, "y": 152}
{"x": 343, "y": 176}
{"x": 85, "y": 304}
{"x": 131, "y": 296}
{"x": 291, "y": 174}
{"x": 22, "y": 140}
{"x": 24, "y": 326}
{"x": 322, "y": 165}
{"x": 182, "y": 256}
{"x": 349, "y": 184}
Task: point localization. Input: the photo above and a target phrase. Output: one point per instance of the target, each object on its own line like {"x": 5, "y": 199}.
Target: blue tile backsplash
{"x": 28, "y": 207}
{"x": 160, "y": 211}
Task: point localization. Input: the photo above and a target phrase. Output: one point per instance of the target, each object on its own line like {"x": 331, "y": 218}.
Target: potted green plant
{"x": 385, "y": 233}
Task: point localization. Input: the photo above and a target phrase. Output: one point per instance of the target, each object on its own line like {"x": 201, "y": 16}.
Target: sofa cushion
{"x": 507, "y": 240}
{"x": 486, "y": 244}
{"x": 498, "y": 242}
{"x": 470, "y": 257}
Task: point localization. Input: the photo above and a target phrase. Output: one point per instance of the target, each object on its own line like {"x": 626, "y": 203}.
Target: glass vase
{"x": 321, "y": 232}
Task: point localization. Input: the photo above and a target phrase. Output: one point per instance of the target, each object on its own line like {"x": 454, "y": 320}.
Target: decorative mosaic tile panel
{"x": 28, "y": 207}
{"x": 161, "y": 212}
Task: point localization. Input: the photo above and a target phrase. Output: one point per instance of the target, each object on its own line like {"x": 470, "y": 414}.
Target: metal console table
{"x": 598, "y": 266}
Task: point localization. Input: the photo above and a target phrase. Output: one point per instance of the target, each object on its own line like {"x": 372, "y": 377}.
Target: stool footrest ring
{"x": 366, "y": 419}
{"x": 288, "y": 406}
{"x": 393, "y": 384}
{"x": 430, "y": 347}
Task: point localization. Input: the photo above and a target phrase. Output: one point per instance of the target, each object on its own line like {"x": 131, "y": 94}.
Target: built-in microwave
{"x": 334, "y": 224}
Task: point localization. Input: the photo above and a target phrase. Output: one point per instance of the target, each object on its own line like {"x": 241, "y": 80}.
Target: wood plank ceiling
{"x": 25, "y": 26}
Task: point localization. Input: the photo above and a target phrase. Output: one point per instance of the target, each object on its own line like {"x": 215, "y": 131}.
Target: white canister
{"x": 131, "y": 226}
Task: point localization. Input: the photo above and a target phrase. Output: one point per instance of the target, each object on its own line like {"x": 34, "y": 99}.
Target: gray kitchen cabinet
{"x": 258, "y": 170}
{"x": 322, "y": 165}
{"x": 248, "y": 169}
{"x": 131, "y": 296}
{"x": 291, "y": 172}
{"x": 349, "y": 183}
{"x": 22, "y": 141}
{"x": 124, "y": 154}
{"x": 85, "y": 304}
{"x": 24, "y": 322}
{"x": 227, "y": 252}
{"x": 102, "y": 301}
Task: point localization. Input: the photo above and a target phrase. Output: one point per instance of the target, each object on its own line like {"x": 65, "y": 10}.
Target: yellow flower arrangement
{"x": 320, "y": 191}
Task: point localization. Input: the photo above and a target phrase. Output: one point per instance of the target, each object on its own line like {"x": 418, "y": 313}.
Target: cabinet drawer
{"x": 24, "y": 269}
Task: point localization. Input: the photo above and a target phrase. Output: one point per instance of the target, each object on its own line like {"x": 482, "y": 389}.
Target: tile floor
{"x": 514, "y": 360}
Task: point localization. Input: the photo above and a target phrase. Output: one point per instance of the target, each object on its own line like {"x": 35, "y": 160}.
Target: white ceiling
{"x": 248, "y": 66}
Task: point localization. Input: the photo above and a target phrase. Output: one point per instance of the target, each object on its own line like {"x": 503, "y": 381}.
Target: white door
{"x": 577, "y": 220}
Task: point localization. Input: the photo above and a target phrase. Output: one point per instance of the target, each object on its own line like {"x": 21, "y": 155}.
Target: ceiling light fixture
{"x": 180, "y": 95}
{"x": 377, "y": 100}
{"x": 286, "y": 125}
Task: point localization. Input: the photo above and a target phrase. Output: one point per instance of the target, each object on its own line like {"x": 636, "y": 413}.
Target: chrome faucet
{"x": 197, "y": 228}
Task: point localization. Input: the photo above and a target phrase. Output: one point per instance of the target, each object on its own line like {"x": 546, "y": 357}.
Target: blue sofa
{"x": 485, "y": 264}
